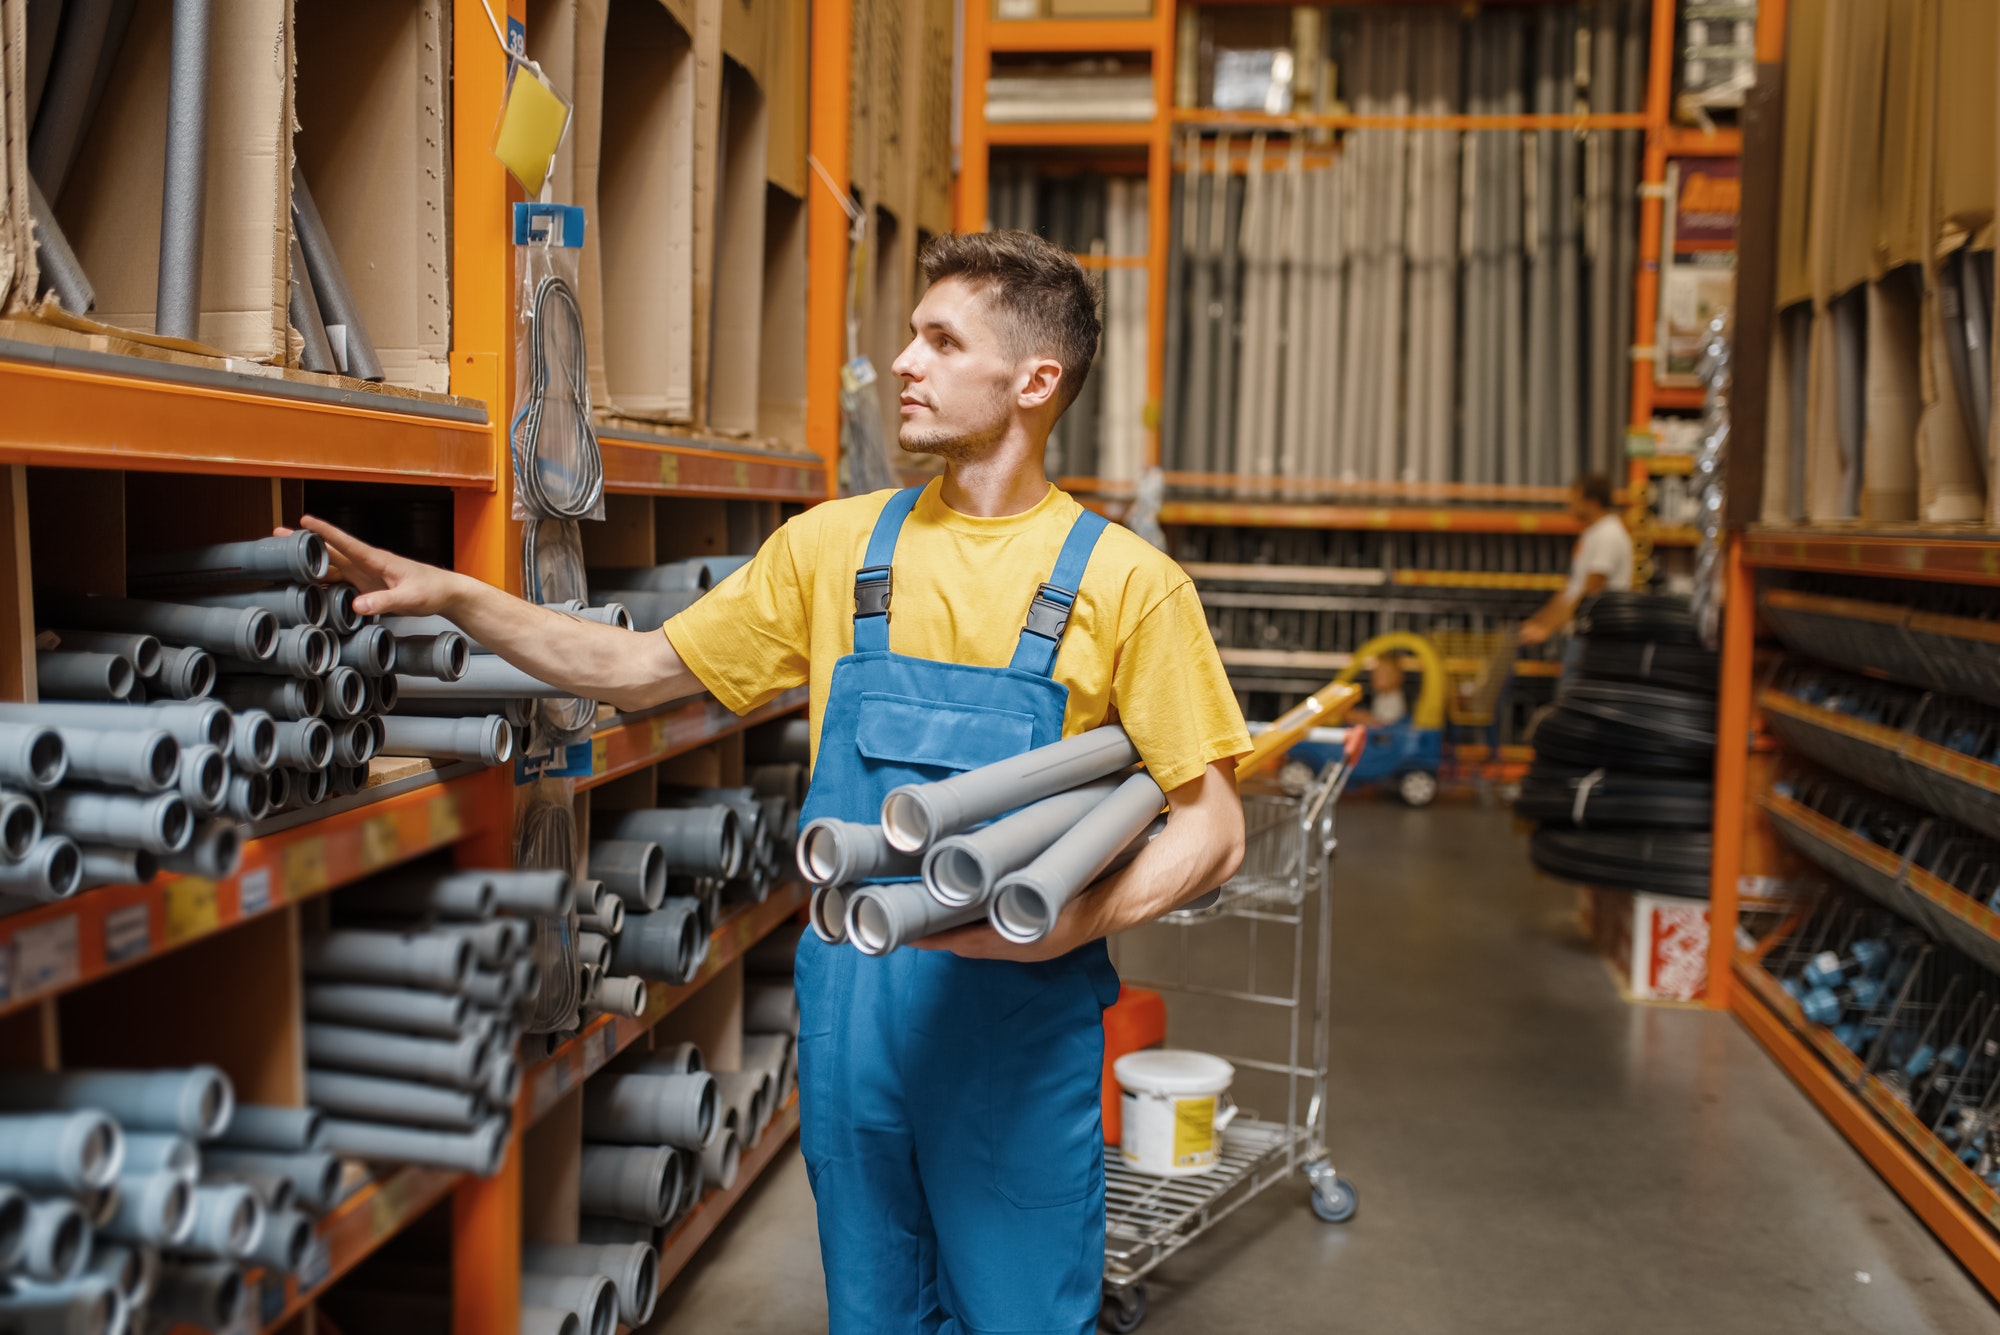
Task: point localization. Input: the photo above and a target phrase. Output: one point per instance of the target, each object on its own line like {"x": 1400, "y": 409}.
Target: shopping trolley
{"x": 1288, "y": 845}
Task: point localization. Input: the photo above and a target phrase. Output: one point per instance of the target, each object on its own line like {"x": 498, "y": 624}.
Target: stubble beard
{"x": 958, "y": 446}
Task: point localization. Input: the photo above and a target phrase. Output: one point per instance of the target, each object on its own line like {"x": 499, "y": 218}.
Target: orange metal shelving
{"x": 1061, "y": 35}
{"x": 633, "y": 744}
{"x": 658, "y": 464}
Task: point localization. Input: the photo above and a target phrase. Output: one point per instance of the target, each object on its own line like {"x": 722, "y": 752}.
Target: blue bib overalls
{"x": 950, "y": 1107}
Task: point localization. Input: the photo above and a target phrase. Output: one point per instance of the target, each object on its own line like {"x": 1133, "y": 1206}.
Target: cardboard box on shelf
{"x": 738, "y": 294}
{"x": 930, "y": 132}
{"x": 784, "y": 85}
{"x": 781, "y": 356}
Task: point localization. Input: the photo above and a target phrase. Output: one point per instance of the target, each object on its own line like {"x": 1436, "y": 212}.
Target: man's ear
{"x": 1044, "y": 376}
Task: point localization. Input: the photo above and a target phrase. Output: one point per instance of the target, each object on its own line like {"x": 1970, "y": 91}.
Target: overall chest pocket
{"x": 933, "y": 734}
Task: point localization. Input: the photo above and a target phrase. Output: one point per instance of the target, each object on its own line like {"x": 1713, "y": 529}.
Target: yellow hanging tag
{"x": 532, "y": 124}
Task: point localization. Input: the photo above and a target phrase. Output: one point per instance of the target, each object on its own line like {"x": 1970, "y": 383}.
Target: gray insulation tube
{"x": 485, "y": 675}
{"x": 436, "y": 963}
{"x": 20, "y": 824}
{"x": 215, "y": 850}
{"x": 286, "y": 1239}
{"x": 141, "y": 758}
{"x": 186, "y": 673}
{"x": 228, "y": 1221}
{"x": 305, "y": 743}
{"x": 441, "y": 654}
{"x": 839, "y": 852}
{"x": 302, "y": 309}
{"x": 52, "y": 869}
{"x": 826, "y": 911}
{"x": 639, "y": 1108}
{"x": 242, "y": 632}
{"x": 90, "y": 32}
{"x": 159, "y": 824}
{"x": 1026, "y": 903}
{"x": 60, "y": 675}
{"x": 161, "y": 1152}
{"x": 203, "y": 779}
{"x": 635, "y": 870}
{"x": 550, "y": 1321}
{"x": 153, "y": 1210}
{"x": 880, "y": 918}
{"x": 205, "y": 1295}
{"x": 633, "y": 1269}
{"x": 75, "y": 1151}
{"x": 459, "y": 1062}
{"x": 296, "y": 651}
{"x": 963, "y": 868}
{"x": 916, "y": 815}
{"x": 266, "y": 1126}
{"x": 185, "y": 190}
{"x": 698, "y": 841}
{"x": 314, "y": 1174}
{"x": 633, "y": 1182}
{"x": 593, "y": 1298}
{"x": 141, "y": 651}
{"x": 116, "y": 866}
{"x": 721, "y": 1157}
{"x": 344, "y": 329}
{"x": 664, "y": 946}
{"x": 31, "y": 754}
{"x": 477, "y": 1151}
{"x": 435, "y": 1014}
{"x": 55, "y": 1241}
{"x": 291, "y": 604}
{"x": 89, "y": 1305}
{"x": 487, "y": 740}
{"x": 371, "y": 1098}
{"x": 195, "y": 1101}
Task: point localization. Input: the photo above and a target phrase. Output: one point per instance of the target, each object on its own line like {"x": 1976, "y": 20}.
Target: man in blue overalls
{"x": 950, "y": 1095}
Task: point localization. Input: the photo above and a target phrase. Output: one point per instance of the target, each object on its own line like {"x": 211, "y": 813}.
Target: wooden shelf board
{"x": 660, "y": 464}
{"x": 54, "y": 948}
{"x": 1959, "y": 1208}
{"x": 74, "y": 409}
{"x": 608, "y": 1035}
{"x": 1073, "y": 34}
{"x": 633, "y": 744}
{"x": 686, "y": 1239}
{"x": 1966, "y": 554}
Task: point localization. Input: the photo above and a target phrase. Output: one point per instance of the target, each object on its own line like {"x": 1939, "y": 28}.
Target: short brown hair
{"x": 1594, "y": 487}
{"x": 1047, "y": 299}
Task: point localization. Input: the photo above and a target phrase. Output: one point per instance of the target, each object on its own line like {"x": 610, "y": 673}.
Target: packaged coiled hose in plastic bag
{"x": 558, "y": 469}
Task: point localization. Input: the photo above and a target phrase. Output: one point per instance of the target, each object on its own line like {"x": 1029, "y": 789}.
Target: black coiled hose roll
{"x": 1680, "y": 716}
{"x": 1649, "y": 662}
{"x": 1596, "y": 798}
{"x": 1667, "y": 862}
{"x": 1567, "y": 737}
{"x": 1637, "y": 616}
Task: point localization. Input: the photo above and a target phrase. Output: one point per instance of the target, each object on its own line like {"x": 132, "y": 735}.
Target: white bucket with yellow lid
{"x": 1175, "y": 1107}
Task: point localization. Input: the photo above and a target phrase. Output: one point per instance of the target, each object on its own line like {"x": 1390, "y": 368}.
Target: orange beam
{"x": 1732, "y": 767}
{"x": 826, "y": 229}
{"x": 1073, "y": 34}
{"x": 1724, "y": 141}
{"x": 1068, "y": 134}
{"x": 1973, "y": 559}
{"x": 662, "y": 467}
{"x": 1341, "y": 120}
{"x": 1280, "y": 515}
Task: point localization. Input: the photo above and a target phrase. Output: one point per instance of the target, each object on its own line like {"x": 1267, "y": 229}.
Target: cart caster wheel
{"x": 1336, "y": 1204}
{"x": 1417, "y": 787}
{"x": 1123, "y": 1309}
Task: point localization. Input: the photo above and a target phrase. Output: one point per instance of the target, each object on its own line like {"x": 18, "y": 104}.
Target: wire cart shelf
{"x": 1284, "y": 881}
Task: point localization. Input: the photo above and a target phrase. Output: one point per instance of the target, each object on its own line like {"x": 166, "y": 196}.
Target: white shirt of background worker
{"x": 1601, "y": 562}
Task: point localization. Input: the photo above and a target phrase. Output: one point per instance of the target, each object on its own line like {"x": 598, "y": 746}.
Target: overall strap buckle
{"x": 1048, "y": 614}
{"x": 871, "y": 591}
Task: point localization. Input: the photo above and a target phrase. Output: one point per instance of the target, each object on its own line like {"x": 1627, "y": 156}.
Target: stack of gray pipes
{"x": 415, "y": 1000}
{"x": 134, "y": 1200}
{"x": 1012, "y": 842}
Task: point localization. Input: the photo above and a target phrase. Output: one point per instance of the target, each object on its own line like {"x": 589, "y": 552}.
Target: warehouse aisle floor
{"x": 1532, "y": 1154}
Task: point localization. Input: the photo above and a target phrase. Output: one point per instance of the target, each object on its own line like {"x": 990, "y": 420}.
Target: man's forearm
{"x": 1199, "y": 849}
{"x": 627, "y": 669}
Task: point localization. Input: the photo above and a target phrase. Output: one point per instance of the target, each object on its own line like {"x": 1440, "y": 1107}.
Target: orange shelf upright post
{"x": 1732, "y": 768}
{"x": 1159, "y": 222}
{"x": 826, "y": 228}
{"x": 974, "y": 170}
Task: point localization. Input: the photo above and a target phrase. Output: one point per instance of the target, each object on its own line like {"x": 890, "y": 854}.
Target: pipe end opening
{"x": 819, "y": 854}
{"x": 1021, "y": 913}
{"x": 868, "y": 923}
{"x": 211, "y": 775}
{"x": 260, "y": 634}
{"x": 957, "y": 875}
{"x": 63, "y": 868}
{"x": 906, "y": 822}
{"x": 312, "y": 548}
{"x": 162, "y": 760}
{"x": 20, "y": 826}
{"x": 120, "y": 678}
{"x": 827, "y": 911}
{"x": 47, "y": 760}
{"x": 312, "y": 604}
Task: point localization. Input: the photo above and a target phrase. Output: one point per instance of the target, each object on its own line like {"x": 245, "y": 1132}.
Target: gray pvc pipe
{"x": 1026, "y": 903}
{"x": 303, "y": 743}
{"x": 153, "y": 1210}
{"x": 186, "y": 673}
{"x": 344, "y": 326}
{"x": 607, "y": 922}
{"x": 550, "y": 1321}
{"x": 477, "y": 1151}
{"x": 530, "y": 890}
{"x": 672, "y": 577}
{"x": 749, "y": 1092}
{"x": 622, "y": 995}
{"x": 916, "y": 815}
{"x": 60, "y": 675}
{"x": 251, "y": 797}
{"x": 142, "y": 758}
{"x": 203, "y": 779}
{"x": 382, "y": 696}
{"x": 314, "y": 1174}
{"x": 281, "y": 697}
{"x": 13, "y": 1225}
{"x": 189, "y": 722}
{"x": 194, "y": 1101}
{"x": 443, "y": 655}
{"x": 148, "y": 1152}
{"x": 881, "y": 918}
{"x": 469, "y": 896}
{"x": 370, "y": 651}
{"x": 291, "y": 604}
{"x": 61, "y": 271}
{"x": 770, "y": 1008}
{"x": 663, "y": 946}
{"x": 608, "y": 614}
{"x": 408, "y": 1010}
{"x": 371, "y": 1098}
{"x": 650, "y": 609}
{"x": 635, "y": 870}
{"x": 347, "y": 780}
{"x": 20, "y": 824}
{"x": 459, "y": 1062}
{"x": 491, "y": 988}
{"x": 633, "y": 1269}
{"x": 185, "y": 189}
{"x": 963, "y": 868}
{"x": 485, "y": 675}
{"x": 205, "y": 1295}
{"x": 593, "y": 1298}
{"x": 488, "y": 740}
{"x": 296, "y": 558}
{"x": 639, "y": 1108}
{"x": 286, "y": 1239}
{"x": 346, "y": 693}
{"x": 675, "y": 1059}
{"x": 87, "y": 1305}
{"x": 52, "y": 870}
{"x": 296, "y": 651}
{"x": 503, "y": 1078}
{"x": 721, "y": 1158}
{"x": 640, "y": 1183}
{"x": 355, "y": 955}
{"x": 839, "y": 852}
{"x": 31, "y": 754}
{"x": 496, "y": 943}
{"x": 268, "y": 1126}
{"x": 116, "y": 866}
{"x": 228, "y": 1221}
{"x": 81, "y": 1150}
{"x": 353, "y": 742}
{"x": 700, "y": 841}
{"x": 341, "y": 618}
{"x": 302, "y": 309}
{"x": 55, "y": 1241}
{"x": 129, "y": 1270}
{"x": 594, "y": 950}
{"x": 215, "y": 851}
{"x": 159, "y": 824}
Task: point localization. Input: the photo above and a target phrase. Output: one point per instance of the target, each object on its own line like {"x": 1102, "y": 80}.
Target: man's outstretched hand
{"x": 390, "y": 585}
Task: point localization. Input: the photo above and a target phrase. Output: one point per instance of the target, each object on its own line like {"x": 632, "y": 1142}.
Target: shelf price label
{"x": 670, "y": 470}
{"x": 192, "y": 909}
{"x": 446, "y": 823}
{"x": 380, "y": 842}
{"x": 742, "y": 471}
{"x": 305, "y": 867}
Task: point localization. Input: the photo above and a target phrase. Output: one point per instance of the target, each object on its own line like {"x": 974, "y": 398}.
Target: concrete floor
{"x": 1532, "y": 1154}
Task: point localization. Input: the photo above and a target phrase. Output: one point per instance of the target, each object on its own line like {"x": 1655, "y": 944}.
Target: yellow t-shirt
{"x": 1137, "y": 650}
